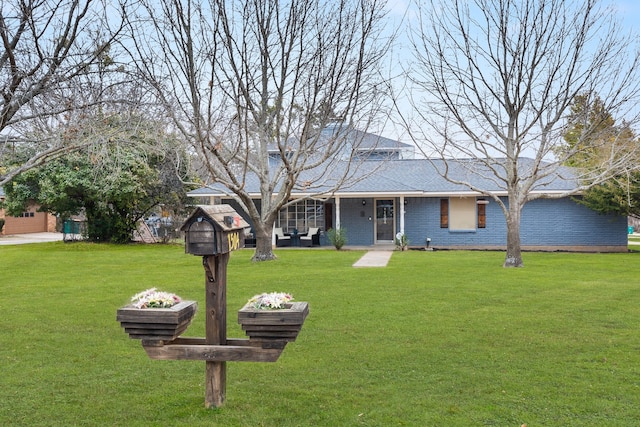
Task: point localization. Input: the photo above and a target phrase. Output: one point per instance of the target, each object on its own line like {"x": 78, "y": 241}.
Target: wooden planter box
{"x": 157, "y": 324}
{"x": 273, "y": 325}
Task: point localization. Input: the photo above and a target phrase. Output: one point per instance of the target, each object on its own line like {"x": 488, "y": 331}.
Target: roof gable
{"x": 354, "y": 140}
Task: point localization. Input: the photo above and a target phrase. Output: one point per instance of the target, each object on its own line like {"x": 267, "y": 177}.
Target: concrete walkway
{"x": 374, "y": 259}
{"x": 19, "y": 239}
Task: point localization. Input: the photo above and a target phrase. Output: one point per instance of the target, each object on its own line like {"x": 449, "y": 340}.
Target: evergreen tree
{"x": 620, "y": 194}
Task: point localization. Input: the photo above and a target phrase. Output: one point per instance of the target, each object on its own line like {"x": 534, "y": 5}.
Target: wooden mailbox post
{"x": 213, "y": 232}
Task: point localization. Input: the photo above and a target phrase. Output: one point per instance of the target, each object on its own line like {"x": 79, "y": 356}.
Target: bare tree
{"x": 50, "y": 52}
{"x": 249, "y": 84}
{"x": 498, "y": 79}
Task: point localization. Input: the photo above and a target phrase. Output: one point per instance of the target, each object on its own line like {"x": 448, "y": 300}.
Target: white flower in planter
{"x": 270, "y": 301}
{"x": 153, "y": 298}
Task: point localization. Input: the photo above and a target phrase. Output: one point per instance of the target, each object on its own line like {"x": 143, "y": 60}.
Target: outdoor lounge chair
{"x": 312, "y": 238}
{"x": 281, "y": 239}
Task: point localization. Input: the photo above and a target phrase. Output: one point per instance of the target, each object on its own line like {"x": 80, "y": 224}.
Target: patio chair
{"x": 281, "y": 238}
{"x": 249, "y": 238}
{"x": 311, "y": 238}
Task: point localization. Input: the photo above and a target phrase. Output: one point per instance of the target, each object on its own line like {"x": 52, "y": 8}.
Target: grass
{"x": 434, "y": 339}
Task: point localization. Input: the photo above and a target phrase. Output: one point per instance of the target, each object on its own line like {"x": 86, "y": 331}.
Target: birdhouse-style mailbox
{"x": 214, "y": 230}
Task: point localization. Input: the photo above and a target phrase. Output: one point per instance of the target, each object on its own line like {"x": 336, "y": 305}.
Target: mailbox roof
{"x": 217, "y": 213}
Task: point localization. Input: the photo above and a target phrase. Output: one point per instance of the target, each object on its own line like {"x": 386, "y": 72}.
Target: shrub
{"x": 401, "y": 241}
{"x": 337, "y": 237}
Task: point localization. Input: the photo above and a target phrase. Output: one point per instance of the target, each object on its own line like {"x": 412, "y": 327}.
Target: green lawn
{"x": 444, "y": 338}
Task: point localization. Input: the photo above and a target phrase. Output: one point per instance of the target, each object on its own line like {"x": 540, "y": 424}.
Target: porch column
{"x": 402, "y": 214}
{"x": 337, "y": 212}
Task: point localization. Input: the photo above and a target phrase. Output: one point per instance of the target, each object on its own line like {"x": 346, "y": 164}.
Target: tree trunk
{"x": 514, "y": 253}
{"x": 264, "y": 248}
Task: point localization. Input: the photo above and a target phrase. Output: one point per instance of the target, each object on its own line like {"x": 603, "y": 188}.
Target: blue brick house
{"x": 407, "y": 195}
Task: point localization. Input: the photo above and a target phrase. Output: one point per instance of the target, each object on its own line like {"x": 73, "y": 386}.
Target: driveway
{"x": 19, "y": 239}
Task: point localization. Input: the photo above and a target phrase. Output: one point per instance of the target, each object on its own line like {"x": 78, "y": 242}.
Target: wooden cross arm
{"x": 236, "y": 350}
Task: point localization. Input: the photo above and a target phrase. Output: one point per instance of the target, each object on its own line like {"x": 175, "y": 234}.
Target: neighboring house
{"x": 31, "y": 221}
{"x": 406, "y": 195}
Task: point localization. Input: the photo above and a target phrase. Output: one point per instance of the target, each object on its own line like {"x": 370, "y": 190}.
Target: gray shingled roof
{"x": 362, "y": 141}
{"x": 412, "y": 177}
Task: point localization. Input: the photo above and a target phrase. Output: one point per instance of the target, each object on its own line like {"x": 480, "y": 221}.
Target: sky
{"x": 628, "y": 12}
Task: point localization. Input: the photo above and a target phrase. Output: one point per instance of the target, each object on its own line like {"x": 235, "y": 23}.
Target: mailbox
{"x": 213, "y": 230}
